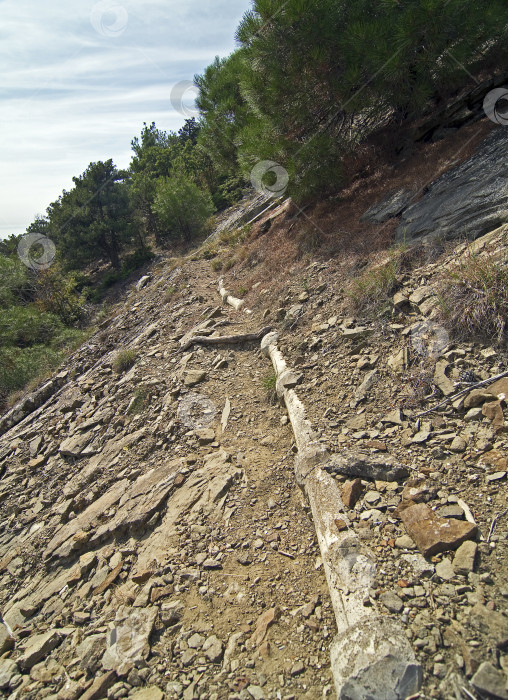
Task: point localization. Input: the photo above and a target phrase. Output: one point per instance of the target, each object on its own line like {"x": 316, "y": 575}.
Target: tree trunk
{"x": 114, "y": 256}
{"x": 153, "y": 228}
{"x": 111, "y": 250}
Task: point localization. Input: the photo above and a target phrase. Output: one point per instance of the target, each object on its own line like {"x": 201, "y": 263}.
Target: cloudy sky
{"x": 80, "y": 77}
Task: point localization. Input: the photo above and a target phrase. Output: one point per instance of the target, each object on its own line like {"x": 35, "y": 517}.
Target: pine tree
{"x": 92, "y": 220}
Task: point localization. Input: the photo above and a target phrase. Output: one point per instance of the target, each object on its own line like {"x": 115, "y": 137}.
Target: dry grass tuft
{"x": 474, "y": 299}
{"x": 124, "y": 360}
{"x": 371, "y": 292}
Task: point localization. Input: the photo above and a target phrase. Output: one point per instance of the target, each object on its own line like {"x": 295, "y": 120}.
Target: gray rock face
{"x": 469, "y": 200}
{"x": 390, "y": 207}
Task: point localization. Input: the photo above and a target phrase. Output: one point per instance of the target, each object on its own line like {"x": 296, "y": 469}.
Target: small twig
{"x": 285, "y": 554}
{"x": 464, "y": 391}
{"x": 494, "y": 523}
{"x": 431, "y": 597}
{"x": 468, "y": 694}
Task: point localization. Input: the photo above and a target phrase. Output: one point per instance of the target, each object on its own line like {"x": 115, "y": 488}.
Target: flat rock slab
{"x": 392, "y": 602}
{"x": 38, "y": 647}
{"x": 491, "y": 681}
{"x": 8, "y": 669}
{"x": 137, "y": 505}
{"x": 367, "y": 466}
{"x": 101, "y": 461}
{"x": 490, "y": 622}
{"x": 355, "y": 333}
{"x": 150, "y": 693}
{"x": 351, "y": 493}
{"x": 75, "y": 445}
{"x": 464, "y": 559}
{"x": 99, "y": 687}
{"x": 32, "y": 402}
{"x": 65, "y": 541}
{"x": 33, "y": 598}
{"x": 128, "y": 641}
{"x": 6, "y": 641}
{"x": 204, "y": 489}
{"x": 433, "y": 534}
{"x": 194, "y": 376}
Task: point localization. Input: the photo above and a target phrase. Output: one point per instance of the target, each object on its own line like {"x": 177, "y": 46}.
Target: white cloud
{"x": 71, "y": 93}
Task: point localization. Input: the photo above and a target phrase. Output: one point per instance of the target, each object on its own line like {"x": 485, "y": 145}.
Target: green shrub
{"x": 69, "y": 339}
{"x": 269, "y": 382}
{"x": 24, "y": 326}
{"x": 19, "y": 366}
{"x": 182, "y": 207}
{"x": 14, "y": 281}
{"x": 229, "y": 192}
{"x": 124, "y": 360}
{"x": 235, "y": 236}
{"x": 98, "y": 293}
{"x": 209, "y": 254}
{"x": 133, "y": 261}
{"x": 140, "y": 400}
{"x": 56, "y": 293}
{"x": 169, "y": 294}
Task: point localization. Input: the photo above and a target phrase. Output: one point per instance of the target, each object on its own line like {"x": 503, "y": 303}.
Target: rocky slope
{"x": 154, "y": 542}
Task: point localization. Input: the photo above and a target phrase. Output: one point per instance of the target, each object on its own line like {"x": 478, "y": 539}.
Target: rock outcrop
{"x": 468, "y": 201}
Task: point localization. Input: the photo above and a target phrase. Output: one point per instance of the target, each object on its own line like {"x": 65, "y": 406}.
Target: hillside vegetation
{"x": 310, "y": 83}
